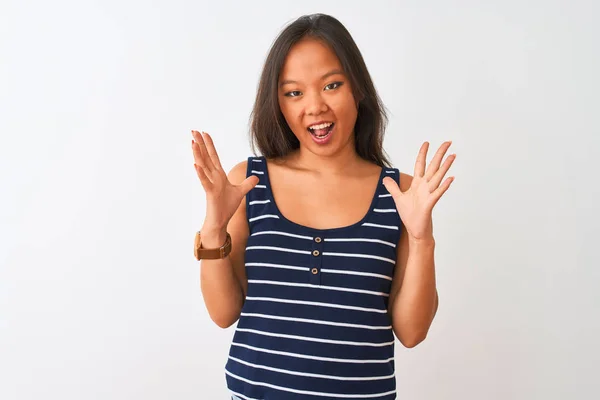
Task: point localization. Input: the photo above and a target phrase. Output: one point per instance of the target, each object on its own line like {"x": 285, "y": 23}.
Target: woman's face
{"x": 316, "y": 99}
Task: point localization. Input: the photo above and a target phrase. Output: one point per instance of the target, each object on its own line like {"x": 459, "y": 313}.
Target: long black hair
{"x": 268, "y": 129}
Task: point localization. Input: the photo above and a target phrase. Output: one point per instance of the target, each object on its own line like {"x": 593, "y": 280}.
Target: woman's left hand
{"x": 415, "y": 205}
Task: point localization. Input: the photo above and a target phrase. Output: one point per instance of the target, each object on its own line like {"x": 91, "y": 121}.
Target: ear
{"x": 358, "y": 101}
{"x": 359, "y": 98}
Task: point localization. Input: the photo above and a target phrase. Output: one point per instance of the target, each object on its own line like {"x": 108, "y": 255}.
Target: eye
{"x": 333, "y": 85}
{"x": 294, "y": 93}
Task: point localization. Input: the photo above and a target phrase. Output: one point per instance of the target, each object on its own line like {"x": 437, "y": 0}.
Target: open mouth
{"x": 321, "y": 131}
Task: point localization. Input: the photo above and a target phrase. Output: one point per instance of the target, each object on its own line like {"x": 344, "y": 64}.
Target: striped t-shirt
{"x": 314, "y": 324}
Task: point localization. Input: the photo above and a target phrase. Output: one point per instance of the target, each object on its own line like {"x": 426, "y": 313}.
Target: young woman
{"x": 318, "y": 247}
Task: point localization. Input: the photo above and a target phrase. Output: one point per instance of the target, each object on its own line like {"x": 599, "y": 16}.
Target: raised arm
{"x": 223, "y": 281}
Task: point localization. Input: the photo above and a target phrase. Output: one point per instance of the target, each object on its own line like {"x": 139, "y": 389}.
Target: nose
{"x": 315, "y": 104}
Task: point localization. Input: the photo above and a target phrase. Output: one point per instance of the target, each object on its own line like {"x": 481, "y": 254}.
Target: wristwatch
{"x": 211, "y": 254}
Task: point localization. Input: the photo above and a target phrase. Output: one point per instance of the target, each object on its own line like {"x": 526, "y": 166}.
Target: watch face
{"x": 197, "y": 243}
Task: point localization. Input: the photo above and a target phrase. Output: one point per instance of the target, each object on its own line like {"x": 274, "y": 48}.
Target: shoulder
{"x": 238, "y": 172}
{"x": 405, "y": 181}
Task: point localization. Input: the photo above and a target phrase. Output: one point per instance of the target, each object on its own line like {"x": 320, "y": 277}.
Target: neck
{"x": 333, "y": 164}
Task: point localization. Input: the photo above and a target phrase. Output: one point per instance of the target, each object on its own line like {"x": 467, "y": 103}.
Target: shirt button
{"x": 318, "y": 239}
{"x": 316, "y": 253}
{"x": 315, "y": 271}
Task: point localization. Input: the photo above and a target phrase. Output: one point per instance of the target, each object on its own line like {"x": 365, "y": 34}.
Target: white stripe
{"x": 259, "y": 202}
{"x": 380, "y": 226}
{"x": 385, "y": 210}
{"x": 345, "y": 272}
{"x": 289, "y": 372}
{"x": 255, "y": 160}
{"x": 260, "y": 186}
{"x": 309, "y": 357}
{"x": 257, "y": 172}
{"x": 318, "y": 340}
{"x": 385, "y": 195}
{"x": 282, "y": 233}
{"x": 308, "y": 285}
{"x": 241, "y": 396}
{"x": 317, "y": 303}
{"x": 349, "y": 396}
{"x": 361, "y": 240}
{"x": 277, "y": 266}
{"x": 316, "y": 321}
{"x": 263, "y": 216}
{"x": 390, "y": 172}
{"x": 278, "y": 249}
{"x": 327, "y": 253}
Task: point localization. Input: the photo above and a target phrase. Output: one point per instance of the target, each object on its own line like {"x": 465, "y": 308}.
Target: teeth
{"x": 321, "y": 126}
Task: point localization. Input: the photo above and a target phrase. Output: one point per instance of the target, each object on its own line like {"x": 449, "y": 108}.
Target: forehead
{"x": 307, "y": 59}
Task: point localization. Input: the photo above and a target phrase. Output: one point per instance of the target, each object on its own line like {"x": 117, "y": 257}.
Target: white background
{"x": 99, "y": 202}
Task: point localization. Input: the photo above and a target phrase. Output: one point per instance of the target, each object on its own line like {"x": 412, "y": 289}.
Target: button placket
{"x": 316, "y": 260}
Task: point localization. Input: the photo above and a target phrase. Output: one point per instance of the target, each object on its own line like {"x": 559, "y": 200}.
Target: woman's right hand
{"x": 222, "y": 197}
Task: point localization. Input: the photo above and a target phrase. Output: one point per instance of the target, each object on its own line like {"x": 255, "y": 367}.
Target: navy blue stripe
{"x": 318, "y": 294}
{"x": 318, "y": 313}
{"x": 314, "y": 330}
{"x": 301, "y": 366}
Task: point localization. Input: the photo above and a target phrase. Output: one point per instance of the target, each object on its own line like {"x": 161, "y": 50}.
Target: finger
{"x": 248, "y": 184}
{"x": 212, "y": 151}
{"x": 436, "y": 179}
{"x": 392, "y": 187}
{"x": 421, "y": 159}
{"x": 196, "y": 152}
{"x": 206, "y": 161}
{"x": 206, "y": 183}
{"x": 434, "y": 165}
{"x": 437, "y": 193}
{"x": 198, "y": 157}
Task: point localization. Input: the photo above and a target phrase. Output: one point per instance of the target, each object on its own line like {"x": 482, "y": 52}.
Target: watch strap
{"x": 211, "y": 254}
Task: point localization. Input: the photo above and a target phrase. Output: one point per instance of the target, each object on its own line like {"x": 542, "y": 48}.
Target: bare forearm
{"x": 220, "y": 287}
{"x": 416, "y": 303}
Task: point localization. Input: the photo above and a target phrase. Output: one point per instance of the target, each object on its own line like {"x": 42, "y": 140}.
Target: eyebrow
{"x": 327, "y": 75}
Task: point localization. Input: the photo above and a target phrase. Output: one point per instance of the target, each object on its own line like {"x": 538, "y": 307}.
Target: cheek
{"x": 287, "y": 111}
{"x": 345, "y": 110}
{"x": 292, "y": 113}
{"x": 288, "y": 108}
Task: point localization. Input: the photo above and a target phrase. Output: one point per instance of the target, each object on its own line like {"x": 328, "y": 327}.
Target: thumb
{"x": 392, "y": 187}
{"x": 248, "y": 184}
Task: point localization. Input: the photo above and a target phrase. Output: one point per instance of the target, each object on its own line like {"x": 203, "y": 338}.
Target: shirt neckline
{"x": 296, "y": 225}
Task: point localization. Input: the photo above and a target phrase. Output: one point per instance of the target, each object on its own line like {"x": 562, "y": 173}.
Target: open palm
{"x": 415, "y": 205}
{"x": 222, "y": 197}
